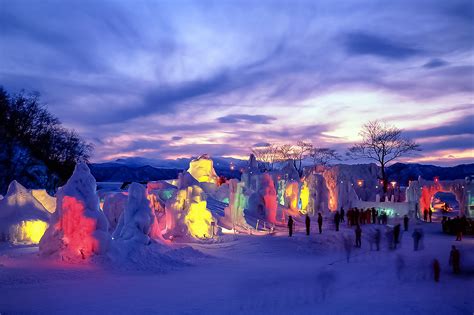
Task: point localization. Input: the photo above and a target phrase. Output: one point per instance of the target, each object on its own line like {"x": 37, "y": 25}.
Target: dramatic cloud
{"x": 368, "y": 44}
{"x": 435, "y": 63}
{"x": 161, "y": 79}
{"x": 255, "y": 119}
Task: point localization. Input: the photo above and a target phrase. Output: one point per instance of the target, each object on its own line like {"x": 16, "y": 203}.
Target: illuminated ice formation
{"x": 291, "y": 195}
{"x": 187, "y": 215}
{"x": 48, "y": 202}
{"x": 202, "y": 169}
{"x": 263, "y": 203}
{"x": 78, "y": 227}
{"x": 304, "y": 197}
{"x": 237, "y": 203}
{"x": 114, "y": 204}
{"x": 23, "y": 219}
{"x": 138, "y": 221}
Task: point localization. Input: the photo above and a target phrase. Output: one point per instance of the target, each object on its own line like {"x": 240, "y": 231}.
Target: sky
{"x": 168, "y": 79}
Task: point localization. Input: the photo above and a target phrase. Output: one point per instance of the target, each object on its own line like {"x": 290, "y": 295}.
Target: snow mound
{"x": 153, "y": 257}
{"x": 138, "y": 221}
{"x": 78, "y": 228}
{"x": 23, "y": 219}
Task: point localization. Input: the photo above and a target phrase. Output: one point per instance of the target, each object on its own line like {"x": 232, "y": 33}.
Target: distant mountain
{"x": 144, "y": 169}
{"x": 116, "y": 172}
{"x": 402, "y": 173}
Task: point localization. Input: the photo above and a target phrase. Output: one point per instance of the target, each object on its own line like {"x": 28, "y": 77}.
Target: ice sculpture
{"x": 114, "y": 205}
{"x": 23, "y": 219}
{"x": 187, "y": 215}
{"x": 202, "y": 169}
{"x": 138, "y": 221}
{"x": 78, "y": 228}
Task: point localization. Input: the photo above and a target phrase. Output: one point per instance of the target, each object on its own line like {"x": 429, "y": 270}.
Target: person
{"x": 416, "y": 239}
{"x": 396, "y": 235}
{"x": 425, "y": 215}
{"x": 308, "y": 224}
{"x": 342, "y": 214}
{"x": 377, "y": 237}
{"x": 320, "y": 222}
{"x": 458, "y": 228}
{"x": 374, "y": 215}
{"x": 405, "y": 223}
{"x": 337, "y": 220}
{"x": 455, "y": 259}
{"x": 436, "y": 270}
{"x": 430, "y": 213}
{"x": 356, "y": 217}
{"x": 358, "y": 233}
{"x": 290, "y": 226}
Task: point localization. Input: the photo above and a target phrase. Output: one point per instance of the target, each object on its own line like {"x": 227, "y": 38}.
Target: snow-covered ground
{"x": 246, "y": 274}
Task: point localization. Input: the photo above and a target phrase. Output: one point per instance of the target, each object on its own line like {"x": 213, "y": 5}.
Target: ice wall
{"x": 263, "y": 202}
{"x": 78, "y": 228}
{"x": 237, "y": 203}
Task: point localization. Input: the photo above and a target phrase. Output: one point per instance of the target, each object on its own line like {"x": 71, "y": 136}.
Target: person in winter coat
{"x": 425, "y": 215}
{"x": 416, "y": 239}
{"x": 430, "y": 213}
{"x": 455, "y": 259}
{"x": 290, "y": 226}
{"x": 358, "y": 233}
{"x": 342, "y": 214}
{"x": 337, "y": 220}
{"x": 374, "y": 215}
{"x": 320, "y": 223}
{"x": 377, "y": 238}
{"x": 396, "y": 235}
{"x": 405, "y": 223}
{"x": 307, "y": 221}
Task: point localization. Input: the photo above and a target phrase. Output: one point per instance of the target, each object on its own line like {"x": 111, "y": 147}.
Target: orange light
{"x": 360, "y": 182}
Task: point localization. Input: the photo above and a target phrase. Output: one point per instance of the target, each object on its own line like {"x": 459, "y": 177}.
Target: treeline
{"x": 30, "y": 134}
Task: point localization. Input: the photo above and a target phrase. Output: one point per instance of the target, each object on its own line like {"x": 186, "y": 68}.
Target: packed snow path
{"x": 251, "y": 275}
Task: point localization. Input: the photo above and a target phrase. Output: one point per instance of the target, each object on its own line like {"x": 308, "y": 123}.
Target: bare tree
{"x": 323, "y": 156}
{"x": 301, "y": 151}
{"x": 382, "y": 143}
{"x": 267, "y": 155}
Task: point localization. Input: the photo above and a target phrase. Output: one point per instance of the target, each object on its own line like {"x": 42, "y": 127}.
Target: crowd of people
{"x": 357, "y": 217}
{"x": 458, "y": 226}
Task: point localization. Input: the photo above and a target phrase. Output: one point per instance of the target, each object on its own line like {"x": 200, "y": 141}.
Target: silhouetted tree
{"x": 27, "y": 128}
{"x": 382, "y": 143}
{"x": 323, "y": 156}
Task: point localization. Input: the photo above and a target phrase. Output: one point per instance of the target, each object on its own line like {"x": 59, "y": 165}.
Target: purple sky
{"x": 180, "y": 78}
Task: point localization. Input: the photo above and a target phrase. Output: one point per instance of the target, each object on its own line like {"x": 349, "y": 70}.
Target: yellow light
{"x": 360, "y": 182}
{"x": 198, "y": 220}
{"x": 203, "y": 170}
{"x": 28, "y": 232}
{"x": 304, "y": 196}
